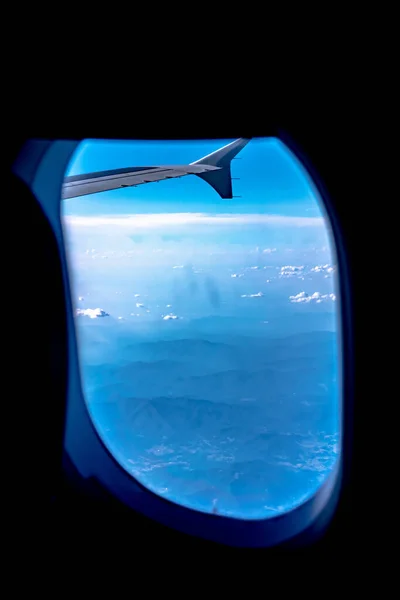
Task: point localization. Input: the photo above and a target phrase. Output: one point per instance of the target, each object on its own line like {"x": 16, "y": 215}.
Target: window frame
{"x": 42, "y": 165}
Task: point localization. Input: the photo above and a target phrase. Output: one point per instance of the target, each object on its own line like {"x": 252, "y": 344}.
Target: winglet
{"x": 220, "y": 179}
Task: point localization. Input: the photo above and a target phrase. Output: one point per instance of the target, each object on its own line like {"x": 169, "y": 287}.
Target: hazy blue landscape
{"x": 207, "y": 329}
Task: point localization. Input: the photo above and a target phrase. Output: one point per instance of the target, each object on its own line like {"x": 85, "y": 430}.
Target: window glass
{"x": 208, "y": 328}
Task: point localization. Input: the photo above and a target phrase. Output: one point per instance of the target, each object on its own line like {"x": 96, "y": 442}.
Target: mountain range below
{"x": 239, "y": 411}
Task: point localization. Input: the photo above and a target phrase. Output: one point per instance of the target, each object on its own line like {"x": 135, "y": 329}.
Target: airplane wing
{"x": 215, "y": 169}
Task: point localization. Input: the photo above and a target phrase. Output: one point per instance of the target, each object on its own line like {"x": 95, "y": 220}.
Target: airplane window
{"x": 207, "y": 314}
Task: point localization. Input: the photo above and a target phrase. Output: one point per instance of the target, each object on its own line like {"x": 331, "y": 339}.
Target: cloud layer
{"x": 154, "y": 221}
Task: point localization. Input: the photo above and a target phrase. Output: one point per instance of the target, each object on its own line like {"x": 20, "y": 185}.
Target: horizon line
{"x": 142, "y": 220}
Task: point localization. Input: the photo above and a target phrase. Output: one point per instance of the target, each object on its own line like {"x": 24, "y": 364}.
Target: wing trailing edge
{"x": 215, "y": 169}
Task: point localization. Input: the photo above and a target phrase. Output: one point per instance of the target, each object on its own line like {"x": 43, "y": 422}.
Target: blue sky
{"x": 278, "y": 207}
{"x": 150, "y": 232}
{"x": 271, "y": 181}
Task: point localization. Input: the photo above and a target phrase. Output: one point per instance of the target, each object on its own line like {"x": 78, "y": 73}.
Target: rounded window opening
{"x": 205, "y": 291}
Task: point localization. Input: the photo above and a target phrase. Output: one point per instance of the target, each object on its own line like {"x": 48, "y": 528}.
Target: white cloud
{"x": 150, "y": 221}
{"x": 92, "y": 313}
{"x": 258, "y": 295}
{"x": 237, "y": 275}
{"x": 326, "y": 269}
{"x": 269, "y": 250}
{"x": 291, "y": 271}
{"x": 316, "y": 297}
{"x": 300, "y": 271}
{"x": 170, "y": 317}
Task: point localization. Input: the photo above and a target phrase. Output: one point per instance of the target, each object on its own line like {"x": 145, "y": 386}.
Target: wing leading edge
{"x": 215, "y": 169}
